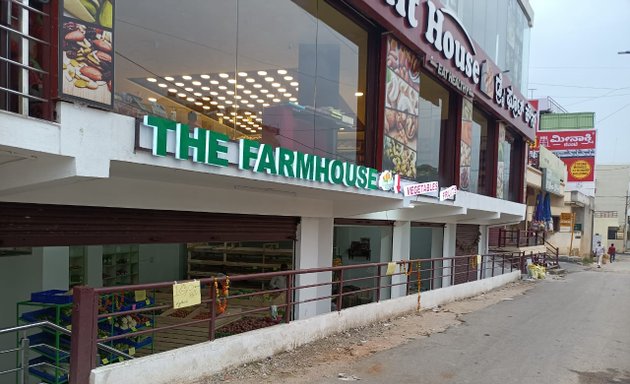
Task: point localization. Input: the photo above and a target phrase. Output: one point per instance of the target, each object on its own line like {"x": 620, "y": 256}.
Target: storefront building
{"x": 167, "y": 136}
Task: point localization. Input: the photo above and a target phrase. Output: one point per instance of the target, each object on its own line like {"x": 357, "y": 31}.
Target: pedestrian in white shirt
{"x": 599, "y": 253}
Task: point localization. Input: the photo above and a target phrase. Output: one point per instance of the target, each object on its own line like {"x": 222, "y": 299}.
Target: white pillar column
{"x": 450, "y": 230}
{"x": 401, "y": 250}
{"x": 313, "y": 250}
{"x": 482, "y": 249}
{"x": 437, "y": 251}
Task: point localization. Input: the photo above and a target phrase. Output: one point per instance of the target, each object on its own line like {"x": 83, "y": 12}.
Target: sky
{"x": 574, "y": 60}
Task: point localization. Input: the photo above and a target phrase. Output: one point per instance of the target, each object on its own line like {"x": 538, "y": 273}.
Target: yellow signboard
{"x": 186, "y": 294}
{"x": 391, "y": 268}
{"x": 566, "y": 222}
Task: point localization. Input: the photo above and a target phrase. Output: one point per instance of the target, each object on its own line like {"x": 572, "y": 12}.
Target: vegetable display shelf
{"x": 53, "y": 361}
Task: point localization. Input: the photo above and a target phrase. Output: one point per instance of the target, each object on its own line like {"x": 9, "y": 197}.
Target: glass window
{"x": 504, "y": 164}
{"x": 473, "y": 171}
{"x": 426, "y": 243}
{"x": 301, "y": 84}
{"x": 433, "y": 113}
{"x": 612, "y": 233}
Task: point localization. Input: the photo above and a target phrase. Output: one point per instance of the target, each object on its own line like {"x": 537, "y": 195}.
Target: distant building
{"x": 611, "y": 204}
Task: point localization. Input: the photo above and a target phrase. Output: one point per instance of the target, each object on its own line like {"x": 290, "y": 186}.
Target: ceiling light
{"x": 196, "y": 82}
{"x": 204, "y": 88}
{"x": 282, "y": 90}
{"x": 168, "y": 78}
{"x": 213, "y": 102}
{"x": 219, "y": 113}
{"x": 214, "y": 82}
{"x": 259, "y": 119}
{"x": 228, "y": 102}
{"x": 162, "y": 85}
{"x": 276, "y": 100}
{"x": 240, "y": 86}
{"x": 186, "y": 77}
{"x": 214, "y": 93}
{"x": 358, "y": 94}
{"x": 260, "y": 101}
{"x": 288, "y": 78}
{"x": 262, "y": 73}
{"x": 253, "y": 96}
{"x": 230, "y": 92}
{"x": 181, "y": 94}
{"x": 221, "y": 106}
{"x": 251, "y": 105}
{"x": 206, "y": 107}
{"x": 242, "y": 74}
{"x": 282, "y": 71}
{"x": 172, "y": 90}
{"x": 264, "y": 91}
{"x": 198, "y": 94}
{"x": 224, "y": 75}
{"x": 265, "y": 104}
{"x": 190, "y": 99}
{"x": 189, "y": 89}
{"x": 205, "y": 98}
{"x": 247, "y": 112}
{"x": 222, "y": 87}
{"x": 221, "y": 97}
{"x": 250, "y": 80}
{"x": 239, "y": 117}
{"x": 151, "y": 79}
{"x": 287, "y": 95}
{"x": 238, "y": 97}
{"x": 233, "y": 113}
{"x": 269, "y": 79}
{"x": 247, "y": 91}
{"x": 205, "y": 77}
{"x": 275, "y": 85}
{"x": 179, "y": 84}
{"x": 270, "y": 95}
{"x": 294, "y": 99}
{"x": 198, "y": 103}
{"x": 153, "y": 99}
{"x": 257, "y": 86}
{"x": 244, "y": 101}
{"x": 294, "y": 83}
{"x": 231, "y": 81}
{"x": 342, "y": 129}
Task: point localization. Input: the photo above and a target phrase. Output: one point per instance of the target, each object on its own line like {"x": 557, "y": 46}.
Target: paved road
{"x": 573, "y": 330}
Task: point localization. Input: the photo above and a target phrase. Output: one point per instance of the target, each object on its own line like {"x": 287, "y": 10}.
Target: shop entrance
{"x": 427, "y": 242}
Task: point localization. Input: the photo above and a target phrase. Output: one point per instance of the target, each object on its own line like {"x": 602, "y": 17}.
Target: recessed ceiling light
{"x": 206, "y": 107}
{"x": 204, "y": 88}
{"x": 224, "y": 75}
{"x": 188, "y": 89}
{"x": 239, "y": 117}
{"x": 186, "y": 77}
{"x": 162, "y": 85}
{"x": 153, "y": 99}
{"x": 198, "y": 94}
{"x": 282, "y": 71}
{"x": 260, "y": 101}
{"x": 247, "y": 112}
{"x": 294, "y": 83}
{"x": 250, "y": 80}
{"x": 190, "y": 99}
{"x": 168, "y": 78}
{"x": 240, "y": 86}
{"x": 259, "y": 119}
{"x": 198, "y": 103}
{"x": 288, "y": 78}
{"x": 151, "y": 80}
{"x": 172, "y": 90}
{"x": 242, "y": 74}
{"x": 181, "y": 94}
{"x": 228, "y": 102}
{"x": 276, "y": 100}
{"x": 244, "y": 101}
{"x": 231, "y": 81}
{"x": 205, "y": 98}
{"x": 247, "y": 91}
{"x": 275, "y": 85}
{"x": 238, "y": 97}
{"x": 358, "y": 94}
{"x": 264, "y": 91}
{"x": 257, "y": 86}
{"x": 179, "y": 84}
{"x": 196, "y": 82}
{"x": 221, "y": 97}
{"x": 205, "y": 77}
{"x": 214, "y": 82}
{"x": 233, "y": 113}
{"x": 253, "y": 96}
{"x": 269, "y": 79}
{"x": 222, "y": 87}
{"x": 294, "y": 99}
{"x": 221, "y": 106}
{"x": 219, "y": 113}
{"x": 282, "y": 90}
{"x": 265, "y": 104}
{"x": 214, "y": 93}
{"x": 213, "y": 102}
{"x": 230, "y": 92}
{"x": 287, "y": 95}
{"x": 251, "y": 105}
{"x": 270, "y": 95}
{"x": 262, "y": 73}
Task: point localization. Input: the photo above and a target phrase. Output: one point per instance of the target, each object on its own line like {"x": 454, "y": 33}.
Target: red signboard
{"x": 580, "y": 169}
{"x": 566, "y": 140}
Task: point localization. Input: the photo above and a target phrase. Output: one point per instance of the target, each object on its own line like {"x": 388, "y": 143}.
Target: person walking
{"x": 599, "y": 253}
{"x": 612, "y": 252}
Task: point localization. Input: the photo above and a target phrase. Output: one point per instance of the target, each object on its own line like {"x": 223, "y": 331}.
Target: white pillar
{"x": 482, "y": 249}
{"x": 401, "y": 250}
{"x": 313, "y": 250}
{"x": 437, "y": 251}
{"x": 450, "y": 231}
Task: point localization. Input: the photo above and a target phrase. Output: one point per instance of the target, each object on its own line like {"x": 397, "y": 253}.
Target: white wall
{"x": 160, "y": 262}
{"x": 400, "y": 251}
{"x": 55, "y": 268}
{"x": 450, "y": 230}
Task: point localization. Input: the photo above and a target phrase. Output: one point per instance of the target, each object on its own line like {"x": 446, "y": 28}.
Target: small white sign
{"x": 420, "y": 188}
{"x": 448, "y": 193}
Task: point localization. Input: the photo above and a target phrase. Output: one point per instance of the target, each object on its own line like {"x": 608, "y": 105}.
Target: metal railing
{"x": 28, "y": 52}
{"x": 519, "y": 238}
{"x": 341, "y": 287}
{"x": 26, "y": 348}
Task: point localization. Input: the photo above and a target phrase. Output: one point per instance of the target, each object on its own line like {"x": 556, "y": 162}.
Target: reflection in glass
{"x": 479, "y": 152}
{"x": 433, "y": 113}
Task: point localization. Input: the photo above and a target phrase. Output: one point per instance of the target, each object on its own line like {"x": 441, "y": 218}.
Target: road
{"x": 571, "y": 330}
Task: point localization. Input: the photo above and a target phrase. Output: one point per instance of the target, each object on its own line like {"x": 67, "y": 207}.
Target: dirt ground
{"x": 328, "y": 357}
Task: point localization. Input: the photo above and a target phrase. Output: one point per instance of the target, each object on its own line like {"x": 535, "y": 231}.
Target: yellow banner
{"x": 186, "y": 294}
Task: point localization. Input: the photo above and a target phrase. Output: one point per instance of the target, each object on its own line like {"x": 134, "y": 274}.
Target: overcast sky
{"x": 574, "y": 60}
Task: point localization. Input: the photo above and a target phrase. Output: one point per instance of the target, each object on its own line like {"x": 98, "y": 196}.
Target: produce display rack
{"x": 121, "y": 265}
